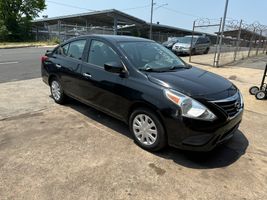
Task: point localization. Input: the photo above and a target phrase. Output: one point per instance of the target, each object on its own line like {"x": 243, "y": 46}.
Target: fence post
{"x": 193, "y": 32}
{"x": 264, "y": 45}
{"x": 215, "y": 61}
{"x": 115, "y": 25}
{"x": 59, "y": 27}
{"x": 238, "y": 39}
{"x": 259, "y": 43}
{"x": 250, "y": 42}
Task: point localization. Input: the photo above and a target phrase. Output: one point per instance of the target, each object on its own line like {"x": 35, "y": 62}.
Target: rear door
{"x": 69, "y": 62}
{"x": 199, "y": 45}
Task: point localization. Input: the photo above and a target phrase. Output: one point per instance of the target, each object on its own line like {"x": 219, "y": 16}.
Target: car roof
{"x": 116, "y": 38}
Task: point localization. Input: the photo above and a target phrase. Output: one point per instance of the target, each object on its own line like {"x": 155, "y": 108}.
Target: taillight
{"x": 44, "y": 58}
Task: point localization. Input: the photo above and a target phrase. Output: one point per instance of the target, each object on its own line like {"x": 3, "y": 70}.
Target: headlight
{"x": 189, "y": 107}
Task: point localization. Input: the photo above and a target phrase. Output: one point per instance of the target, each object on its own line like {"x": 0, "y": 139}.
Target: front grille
{"x": 231, "y": 106}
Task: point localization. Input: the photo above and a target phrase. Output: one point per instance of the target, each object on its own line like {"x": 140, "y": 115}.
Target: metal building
{"x": 102, "y": 22}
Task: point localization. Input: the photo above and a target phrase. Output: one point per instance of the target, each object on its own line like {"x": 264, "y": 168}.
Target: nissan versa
{"x": 163, "y": 99}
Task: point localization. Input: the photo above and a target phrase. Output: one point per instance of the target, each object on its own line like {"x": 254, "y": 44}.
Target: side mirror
{"x": 114, "y": 67}
{"x": 48, "y": 52}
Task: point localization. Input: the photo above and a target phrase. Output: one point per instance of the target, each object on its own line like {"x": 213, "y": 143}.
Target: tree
{"x": 16, "y": 16}
{"x": 3, "y": 30}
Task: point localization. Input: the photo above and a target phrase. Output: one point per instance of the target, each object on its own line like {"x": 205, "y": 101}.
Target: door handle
{"x": 58, "y": 65}
{"x": 87, "y": 75}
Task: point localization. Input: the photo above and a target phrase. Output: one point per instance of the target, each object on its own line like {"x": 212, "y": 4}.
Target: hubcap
{"x": 254, "y": 90}
{"x": 55, "y": 88}
{"x": 145, "y": 129}
{"x": 261, "y": 95}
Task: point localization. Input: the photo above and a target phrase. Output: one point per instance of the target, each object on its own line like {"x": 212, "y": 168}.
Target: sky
{"x": 179, "y": 13}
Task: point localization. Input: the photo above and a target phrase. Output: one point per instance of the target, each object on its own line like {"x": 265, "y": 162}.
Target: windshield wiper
{"x": 177, "y": 67}
{"x": 147, "y": 69}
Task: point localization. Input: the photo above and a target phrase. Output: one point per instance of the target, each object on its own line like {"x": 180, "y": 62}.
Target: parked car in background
{"x": 169, "y": 44}
{"x": 161, "y": 98}
{"x": 200, "y": 45}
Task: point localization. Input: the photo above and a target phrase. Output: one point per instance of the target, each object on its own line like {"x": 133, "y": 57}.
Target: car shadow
{"x": 222, "y": 156}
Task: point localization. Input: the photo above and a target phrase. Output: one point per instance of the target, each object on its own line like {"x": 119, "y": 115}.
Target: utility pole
{"x": 151, "y": 19}
{"x": 222, "y": 32}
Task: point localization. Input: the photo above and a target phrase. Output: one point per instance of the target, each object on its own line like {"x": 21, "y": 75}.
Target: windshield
{"x": 151, "y": 56}
{"x": 187, "y": 40}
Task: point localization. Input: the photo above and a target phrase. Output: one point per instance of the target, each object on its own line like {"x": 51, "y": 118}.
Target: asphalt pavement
{"x": 20, "y": 64}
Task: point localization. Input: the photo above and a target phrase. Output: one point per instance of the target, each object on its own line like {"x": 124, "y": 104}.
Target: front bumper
{"x": 179, "y": 50}
{"x": 196, "y": 135}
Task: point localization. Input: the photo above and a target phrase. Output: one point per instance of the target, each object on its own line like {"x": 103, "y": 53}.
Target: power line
{"x": 139, "y": 7}
{"x": 68, "y": 5}
{"x": 180, "y": 12}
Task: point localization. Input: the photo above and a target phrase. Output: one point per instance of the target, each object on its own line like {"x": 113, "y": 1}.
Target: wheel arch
{"x": 149, "y": 106}
{"x": 51, "y": 77}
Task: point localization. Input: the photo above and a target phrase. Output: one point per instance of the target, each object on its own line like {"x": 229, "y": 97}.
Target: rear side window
{"x": 100, "y": 53}
{"x": 76, "y": 49}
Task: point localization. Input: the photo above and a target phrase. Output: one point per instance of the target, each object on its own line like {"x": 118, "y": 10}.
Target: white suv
{"x": 200, "y": 45}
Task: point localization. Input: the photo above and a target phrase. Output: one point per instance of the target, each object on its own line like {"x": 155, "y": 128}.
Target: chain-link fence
{"x": 238, "y": 41}
{"x": 66, "y": 31}
{"x": 205, "y": 52}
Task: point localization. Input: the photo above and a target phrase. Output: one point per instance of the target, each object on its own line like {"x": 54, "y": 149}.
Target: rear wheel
{"x": 147, "y": 130}
{"x": 253, "y": 90}
{"x": 193, "y": 51}
{"x": 261, "y": 95}
{"x": 57, "y": 91}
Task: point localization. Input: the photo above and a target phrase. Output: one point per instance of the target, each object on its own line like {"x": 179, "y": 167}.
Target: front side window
{"x": 151, "y": 56}
{"x": 63, "y": 50}
{"x": 76, "y": 49}
{"x": 100, "y": 53}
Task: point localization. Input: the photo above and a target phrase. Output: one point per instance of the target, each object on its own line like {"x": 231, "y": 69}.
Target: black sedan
{"x": 163, "y": 99}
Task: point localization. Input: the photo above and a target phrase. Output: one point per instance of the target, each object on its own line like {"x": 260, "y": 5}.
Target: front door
{"x": 100, "y": 88}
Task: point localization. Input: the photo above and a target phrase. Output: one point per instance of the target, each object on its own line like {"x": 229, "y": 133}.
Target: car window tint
{"x": 63, "y": 50}
{"x": 76, "y": 49}
{"x": 100, "y": 53}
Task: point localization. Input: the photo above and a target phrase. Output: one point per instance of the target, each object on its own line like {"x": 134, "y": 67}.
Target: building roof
{"x": 103, "y": 18}
{"x": 245, "y": 34}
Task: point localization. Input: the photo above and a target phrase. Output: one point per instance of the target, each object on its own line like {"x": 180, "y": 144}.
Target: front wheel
{"x": 206, "y": 51}
{"x": 147, "y": 130}
{"x": 57, "y": 91}
{"x": 260, "y": 95}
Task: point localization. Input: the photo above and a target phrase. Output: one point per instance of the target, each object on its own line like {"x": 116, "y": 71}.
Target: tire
{"x": 260, "y": 95}
{"x": 207, "y": 51}
{"x": 193, "y": 51}
{"x": 147, "y": 130}
{"x": 253, "y": 90}
{"x": 57, "y": 91}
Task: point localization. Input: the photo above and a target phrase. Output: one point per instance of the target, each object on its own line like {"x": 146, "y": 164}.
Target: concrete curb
{"x": 28, "y": 46}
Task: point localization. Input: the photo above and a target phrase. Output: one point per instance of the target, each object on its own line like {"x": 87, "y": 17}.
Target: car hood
{"x": 194, "y": 82}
